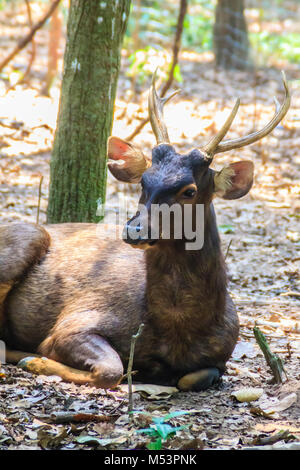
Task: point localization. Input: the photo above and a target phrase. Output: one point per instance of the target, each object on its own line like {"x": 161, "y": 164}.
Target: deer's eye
{"x": 189, "y": 193}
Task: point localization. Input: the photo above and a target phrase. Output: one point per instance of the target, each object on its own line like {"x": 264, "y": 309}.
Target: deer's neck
{"x": 184, "y": 284}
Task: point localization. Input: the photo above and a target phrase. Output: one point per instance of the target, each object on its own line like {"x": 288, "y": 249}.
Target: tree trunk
{"x": 91, "y": 67}
{"x": 55, "y": 34}
{"x": 231, "y": 43}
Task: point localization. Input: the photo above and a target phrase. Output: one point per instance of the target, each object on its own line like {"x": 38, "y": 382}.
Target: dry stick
{"x": 39, "y": 202}
{"x": 129, "y": 368}
{"x": 228, "y": 248}
{"x": 23, "y": 43}
{"x": 33, "y": 46}
{"x": 279, "y": 436}
{"x": 63, "y": 417}
{"x": 33, "y": 51}
{"x": 176, "y": 45}
{"x": 274, "y": 362}
{"x": 55, "y": 33}
{"x": 176, "y": 48}
{"x": 135, "y": 37}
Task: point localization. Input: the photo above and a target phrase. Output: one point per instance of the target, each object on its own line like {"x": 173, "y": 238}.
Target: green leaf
{"x": 226, "y": 228}
{"x": 177, "y": 75}
{"x": 87, "y": 440}
{"x": 100, "y": 441}
{"x": 156, "y": 445}
{"x": 175, "y": 414}
{"x": 165, "y": 430}
{"x": 149, "y": 431}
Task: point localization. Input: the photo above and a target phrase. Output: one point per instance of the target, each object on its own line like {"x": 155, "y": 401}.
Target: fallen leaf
{"x": 270, "y": 407}
{"x": 48, "y": 440}
{"x": 101, "y": 441}
{"x": 192, "y": 444}
{"x": 293, "y": 236}
{"x": 277, "y": 446}
{"x": 273, "y": 405}
{"x": 151, "y": 391}
{"x": 271, "y": 427}
{"x": 248, "y": 394}
{"x": 260, "y": 412}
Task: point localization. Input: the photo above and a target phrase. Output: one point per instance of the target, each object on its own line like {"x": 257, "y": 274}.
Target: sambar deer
{"x": 78, "y": 300}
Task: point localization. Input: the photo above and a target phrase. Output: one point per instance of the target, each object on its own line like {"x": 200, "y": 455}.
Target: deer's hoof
{"x": 199, "y": 380}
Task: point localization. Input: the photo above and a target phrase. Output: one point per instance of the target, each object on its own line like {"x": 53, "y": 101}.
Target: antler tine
{"x": 155, "y": 109}
{"x": 214, "y": 142}
{"x": 255, "y": 136}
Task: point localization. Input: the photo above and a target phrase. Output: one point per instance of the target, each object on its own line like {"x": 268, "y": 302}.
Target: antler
{"x": 155, "y": 108}
{"x": 214, "y": 146}
{"x": 214, "y": 142}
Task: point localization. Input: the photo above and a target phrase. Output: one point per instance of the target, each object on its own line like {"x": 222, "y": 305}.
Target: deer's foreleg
{"x": 77, "y": 346}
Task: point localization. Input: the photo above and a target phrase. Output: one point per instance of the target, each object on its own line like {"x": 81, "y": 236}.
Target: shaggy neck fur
{"x": 183, "y": 284}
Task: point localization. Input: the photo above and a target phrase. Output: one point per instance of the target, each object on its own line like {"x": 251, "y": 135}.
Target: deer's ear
{"x": 126, "y": 162}
{"x": 235, "y": 180}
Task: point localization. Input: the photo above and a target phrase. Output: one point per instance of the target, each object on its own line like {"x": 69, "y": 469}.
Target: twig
{"x": 274, "y": 362}
{"x": 138, "y": 129}
{"x": 289, "y": 353}
{"x": 129, "y": 368}
{"x": 33, "y": 46}
{"x": 39, "y": 202}
{"x": 23, "y": 43}
{"x": 288, "y": 446}
{"x": 33, "y": 51}
{"x": 64, "y": 417}
{"x": 228, "y": 248}
{"x": 279, "y": 436}
{"x": 55, "y": 32}
{"x": 176, "y": 45}
{"x": 176, "y": 48}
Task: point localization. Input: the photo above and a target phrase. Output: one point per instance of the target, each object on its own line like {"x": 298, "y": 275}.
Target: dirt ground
{"x": 260, "y": 236}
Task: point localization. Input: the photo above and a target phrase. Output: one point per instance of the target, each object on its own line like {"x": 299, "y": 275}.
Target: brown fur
{"x": 78, "y": 298}
{"x": 85, "y": 290}
{"x": 21, "y": 246}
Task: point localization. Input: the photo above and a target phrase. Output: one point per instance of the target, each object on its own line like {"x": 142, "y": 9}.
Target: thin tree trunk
{"x": 231, "y": 44}
{"x": 55, "y": 34}
{"x": 91, "y": 67}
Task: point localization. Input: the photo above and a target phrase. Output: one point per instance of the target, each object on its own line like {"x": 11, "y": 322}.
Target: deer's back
{"x": 80, "y": 272}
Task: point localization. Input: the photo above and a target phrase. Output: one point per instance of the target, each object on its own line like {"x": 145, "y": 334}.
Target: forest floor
{"x": 260, "y": 234}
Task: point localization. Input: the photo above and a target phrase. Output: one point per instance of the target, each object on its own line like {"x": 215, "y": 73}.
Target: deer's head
{"x": 171, "y": 178}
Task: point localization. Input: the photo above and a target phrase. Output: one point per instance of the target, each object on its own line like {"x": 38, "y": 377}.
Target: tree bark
{"x": 231, "y": 43}
{"x": 91, "y": 67}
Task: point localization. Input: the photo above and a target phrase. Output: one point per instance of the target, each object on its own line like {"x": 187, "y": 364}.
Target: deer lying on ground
{"x": 78, "y": 300}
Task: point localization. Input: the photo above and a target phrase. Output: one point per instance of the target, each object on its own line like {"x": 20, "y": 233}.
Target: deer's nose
{"x": 133, "y": 233}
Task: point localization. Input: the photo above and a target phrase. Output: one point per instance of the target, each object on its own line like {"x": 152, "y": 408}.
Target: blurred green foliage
{"x": 152, "y": 26}
{"x": 276, "y": 46}
{"x": 155, "y": 23}
{"x": 198, "y": 26}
